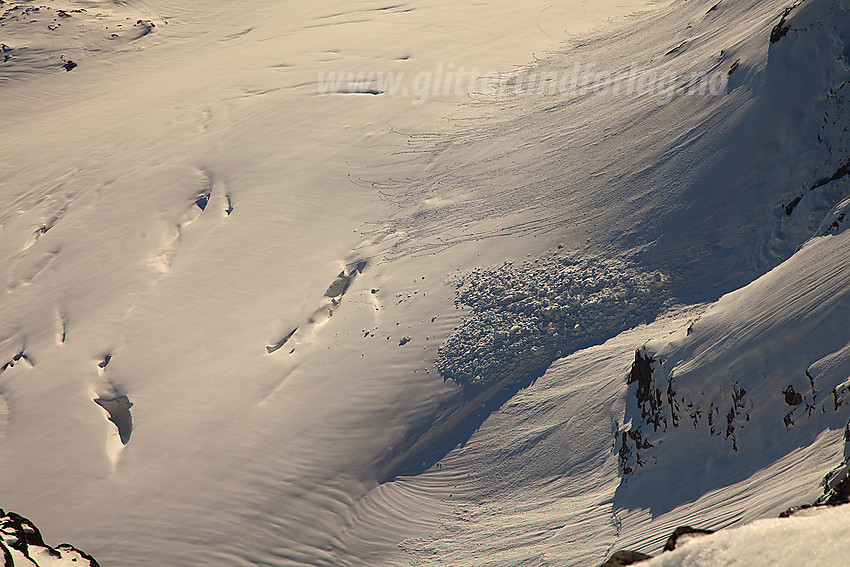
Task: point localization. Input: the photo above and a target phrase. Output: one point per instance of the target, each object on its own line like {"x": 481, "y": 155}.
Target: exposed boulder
{"x": 625, "y": 557}
{"x": 685, "y": 532}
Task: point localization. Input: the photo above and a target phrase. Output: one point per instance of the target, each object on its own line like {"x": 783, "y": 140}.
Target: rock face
{"x": 21, "y": 543}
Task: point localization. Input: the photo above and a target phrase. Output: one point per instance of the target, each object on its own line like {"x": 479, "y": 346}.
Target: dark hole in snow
{"x": 272, "y": 348}
{"x": 344, "y": 279}
{"x": 203, "y": 200}
{"x": 119, "y": 414}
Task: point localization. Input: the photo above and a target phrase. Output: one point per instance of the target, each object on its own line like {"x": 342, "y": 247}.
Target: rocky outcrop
{"x": 21, "y": 543}
{"x": 836, "y": 491}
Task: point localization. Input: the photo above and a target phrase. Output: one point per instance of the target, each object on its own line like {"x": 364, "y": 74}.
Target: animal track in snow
{"x": 327, "y": 306}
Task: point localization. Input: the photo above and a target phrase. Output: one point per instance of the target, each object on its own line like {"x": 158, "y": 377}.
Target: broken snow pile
{"x": 525, "y": 317}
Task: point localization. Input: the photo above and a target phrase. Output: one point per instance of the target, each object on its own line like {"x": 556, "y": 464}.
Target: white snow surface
{"x": 262, "y": 275}
{"x": 819, "y": 539}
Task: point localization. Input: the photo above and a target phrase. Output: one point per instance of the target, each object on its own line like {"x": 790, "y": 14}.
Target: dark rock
{"x": 793, "y": 510}
{"x": 733, "y": 67}
{"x": 788, "y": 420}
{"x": 68, "y": 547}
{"x": 22, "y": 535}
{"x": 625, "y": 557}
{"x": 792, "y": 398}
{"x": 8, "y": 560}
{"x": 840, "y": 494}
{"x": 683, "y": 531}
{"x": 648, "y": 396}
{"x": 780, "y": 29}
{"x": 842, "y": 171}
{"x": 789, "y": 208}
{"x": 69, "y": 65}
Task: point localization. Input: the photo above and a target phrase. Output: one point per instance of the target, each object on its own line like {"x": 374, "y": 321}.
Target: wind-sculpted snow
{"x": 176, "y": 207}
{"x": 524, "y": 317}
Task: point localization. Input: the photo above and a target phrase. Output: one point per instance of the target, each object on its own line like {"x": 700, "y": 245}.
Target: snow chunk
{"x": 525, "y": 317}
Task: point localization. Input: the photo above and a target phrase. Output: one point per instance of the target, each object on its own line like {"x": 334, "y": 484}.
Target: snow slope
{"x": 226, "y": 292}
{"x": 807, "y": 540}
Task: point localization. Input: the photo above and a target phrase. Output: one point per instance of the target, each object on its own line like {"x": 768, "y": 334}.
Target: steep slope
{"x": 722, "y": 431}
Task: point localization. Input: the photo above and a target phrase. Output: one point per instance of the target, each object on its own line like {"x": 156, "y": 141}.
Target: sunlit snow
{"x": 362, "y": 283}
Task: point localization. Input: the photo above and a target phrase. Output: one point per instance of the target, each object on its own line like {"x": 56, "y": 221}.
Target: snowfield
{"x": 430, "y": 283}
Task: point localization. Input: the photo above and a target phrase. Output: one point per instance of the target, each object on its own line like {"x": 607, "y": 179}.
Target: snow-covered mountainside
{"x": 351, "y": 283}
